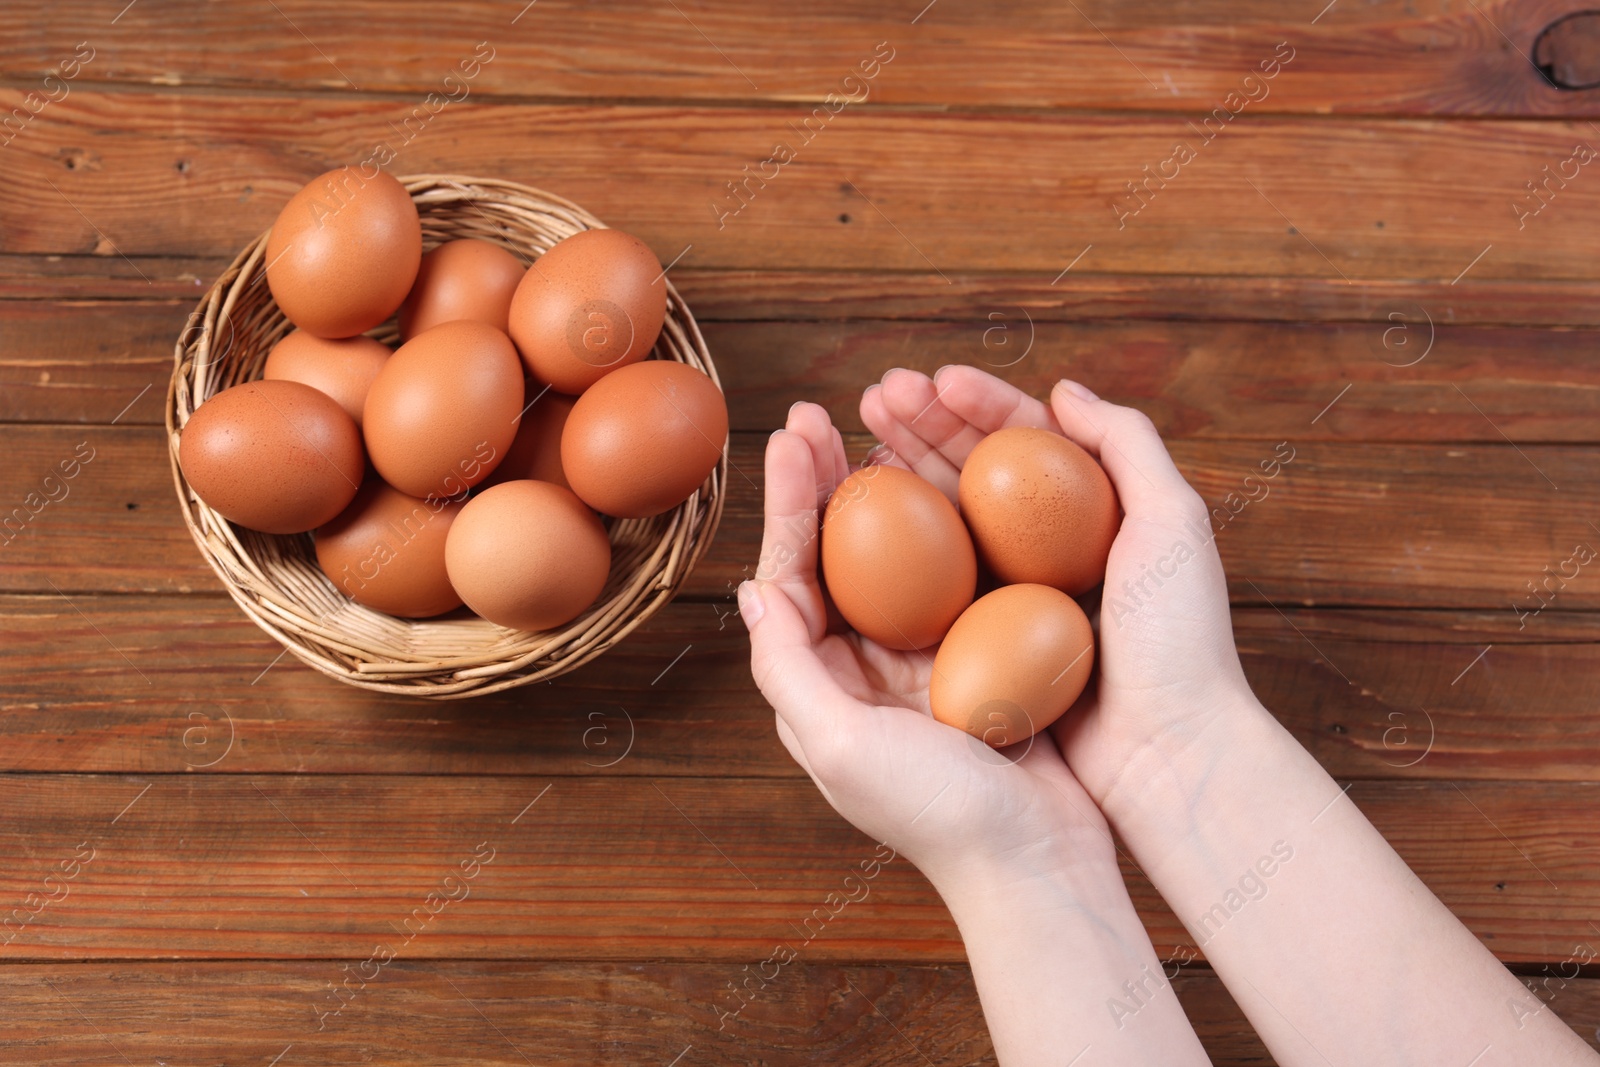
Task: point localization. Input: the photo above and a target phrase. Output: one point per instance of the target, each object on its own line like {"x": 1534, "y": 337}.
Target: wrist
{"x": 1063, "y": 964}
{"x": 1175, "y": 780}
{"x": 1077, "y": 869}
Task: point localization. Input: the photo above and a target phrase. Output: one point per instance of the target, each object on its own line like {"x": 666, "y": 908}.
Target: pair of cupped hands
{"x": 855, "y": 715}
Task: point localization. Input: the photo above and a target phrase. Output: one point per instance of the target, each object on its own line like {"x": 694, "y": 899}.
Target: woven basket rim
{"x": 275, "y": 580}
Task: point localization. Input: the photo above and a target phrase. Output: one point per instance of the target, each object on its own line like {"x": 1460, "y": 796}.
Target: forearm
{"x": 1334, "y": 949}
{"x": 1065, "y": 969}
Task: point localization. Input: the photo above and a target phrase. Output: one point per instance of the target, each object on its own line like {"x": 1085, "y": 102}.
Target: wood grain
{"x": 1429, "y": 57}
{"x": 1372, "y": 694}
{"x": 1342, "y": 524}
{"x": 492, "y": 1013}
{"x": 792, "y": 295}
{"x": 211, "y": 865}
{"x": 1196, "y": 379}
{"x": 881, "y": 190}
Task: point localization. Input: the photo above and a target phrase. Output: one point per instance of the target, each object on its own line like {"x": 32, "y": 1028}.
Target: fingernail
{"x": 751, "y": 607}
{"x": 870, "y": 388}
{"x": 876, "y": 455}
{"x": 796, "y": 404}
{"x": 1079, "y": 391}
{"x": 776, "y": 432}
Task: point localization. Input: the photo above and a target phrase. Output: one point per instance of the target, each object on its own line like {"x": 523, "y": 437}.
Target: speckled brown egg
{"x": 536, "y": 451}
{"x": 896, "y": 558}
{"x": 643, "y": 438}
{"x": 1012, "y": 664}
{"x": 386, "y": 550}
{"x": 344, "y": 368}
{"x": 1040, "y": 509}
{"x": 279, "y": 457}
{"x": 528, "y": 555}
{"x": 444, "y": 410}
{"x": 593, "y": 303}
{"x": 344, "y": 251}
{"x": 465, "y": 279}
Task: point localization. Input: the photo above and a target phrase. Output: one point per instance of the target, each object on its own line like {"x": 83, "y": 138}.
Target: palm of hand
{"x": 873, "y": 674}
{"x": 974, "y": 797}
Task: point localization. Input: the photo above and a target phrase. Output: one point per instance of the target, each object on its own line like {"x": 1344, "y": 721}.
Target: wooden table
{"x": 1344, "y": 255}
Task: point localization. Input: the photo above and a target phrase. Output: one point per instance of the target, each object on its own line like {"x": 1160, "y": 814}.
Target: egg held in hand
{"x": 344, "y": 252}
{"x": 592, "y": 304}
{"x": 386, "y": 551}
{"x": 643, "y": 438}
{"x": 279, "y": 457}
{"x": 895, "y": 558}
{"x": 528, "y": 555}
{"x": 1012, "y": 664}
{"x": 1040, "y": 509}
{"x": 444, "y": 410}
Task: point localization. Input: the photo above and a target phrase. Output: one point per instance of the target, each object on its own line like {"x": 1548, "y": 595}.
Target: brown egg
{"x": 444, "y": 409}
{"x": 593, "y": 303}
{"x": 643, "y": 438}
{"x": 344, "y": 251}
{"x": 536, "y": 452}
{"x": 465, "y": 279}
{"x": 279, "y": 457}
{"x": 344, "y": 368}
{"x": 1040, "y": 509}
{"x": 386, "y": 550}
{"x": 1012, "y": 664}
{"x": 528, "y": 555}
{"x": 896, "y": 559}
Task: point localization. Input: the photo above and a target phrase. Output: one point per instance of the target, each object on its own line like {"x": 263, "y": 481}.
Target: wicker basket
{"x": 276, "y": 580}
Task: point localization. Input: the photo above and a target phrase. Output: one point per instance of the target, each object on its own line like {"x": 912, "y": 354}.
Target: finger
{"x": 988, "y": 403}
{"x": 1125, "y": 441}
{"x": 877, "y": 419}
{"x": 918, "y": 455}
{"x": 789, "y": 533}
{"x": 812, "y": 423}
{"x": 841, "y": 462}
{"x": 786, "y": 667}
{"x": 918, "y": 404}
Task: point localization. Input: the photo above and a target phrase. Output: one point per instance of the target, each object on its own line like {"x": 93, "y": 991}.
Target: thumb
{"x": 785, "y": 663}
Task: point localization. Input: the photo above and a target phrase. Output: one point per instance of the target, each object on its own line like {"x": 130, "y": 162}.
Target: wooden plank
{"x": 514, "y": 1014}
{"x": 1414, "y": 58}
{"x": 110, "y": 276}
{"x": 1201, "y": 380}
{"x": 1085, "y": 294}
{"x": 197, "y": 866}
{"x": 202, "y": 688}
{"x": 1388, "y": 694}
{"x": 885, "y": 190}
{"x": 596, "y": 1013}
{"x": 1343, "y": 524}
{"x": 87, "y": 361}
{"x": 790, "y": 295}
{"x": 1240, "y": 380}
{"x": 1370, "y": 693}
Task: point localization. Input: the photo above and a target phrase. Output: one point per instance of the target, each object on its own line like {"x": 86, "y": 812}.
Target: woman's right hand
{"x": 1166, "y": 667}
